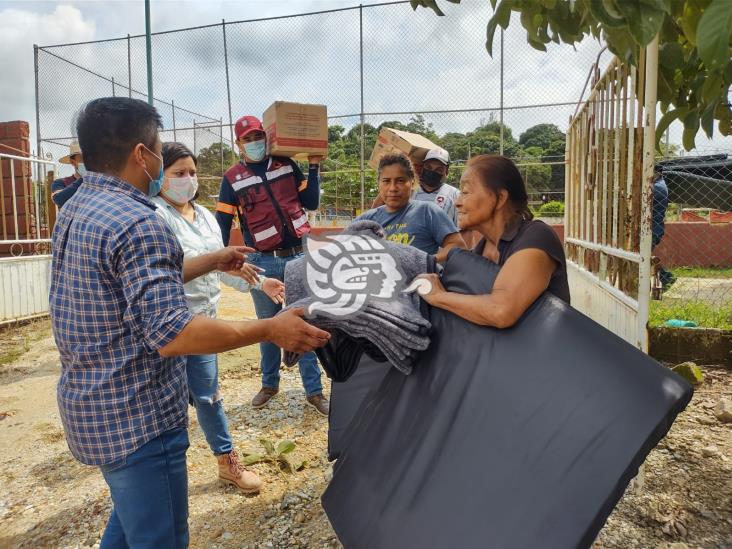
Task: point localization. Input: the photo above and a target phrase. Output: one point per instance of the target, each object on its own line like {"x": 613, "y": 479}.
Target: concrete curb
{"x": 701, "y": 345}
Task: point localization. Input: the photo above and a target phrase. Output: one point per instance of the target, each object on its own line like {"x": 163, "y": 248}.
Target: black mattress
{"x": 517, "y": 438}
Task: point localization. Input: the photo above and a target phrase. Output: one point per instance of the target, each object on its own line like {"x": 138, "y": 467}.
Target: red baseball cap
{"x": 247, "y": 124}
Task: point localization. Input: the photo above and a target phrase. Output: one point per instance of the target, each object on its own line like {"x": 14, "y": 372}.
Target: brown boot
{"x": 232, "y": 471}
{"x": 264, "y": 395}
{"x": 320, "y": 403}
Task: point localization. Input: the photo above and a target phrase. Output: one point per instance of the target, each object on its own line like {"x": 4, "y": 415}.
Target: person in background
{"x": 432, "y": 186}
{"x": 270, "y": 194}
{"x": 63, "y": 189}
{"x": 494, "y": 202}
{"x": 414, "y": 223}
{"x": 200, "y": 237}
{"x": 122, "y": 327}
{"x": 658, "y": 223}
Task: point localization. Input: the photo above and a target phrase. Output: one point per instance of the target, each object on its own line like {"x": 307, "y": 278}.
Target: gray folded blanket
{"x": 396, "y": 327}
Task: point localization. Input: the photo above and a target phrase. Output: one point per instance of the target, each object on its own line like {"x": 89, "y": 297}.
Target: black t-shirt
{"x": 532, "y": 234}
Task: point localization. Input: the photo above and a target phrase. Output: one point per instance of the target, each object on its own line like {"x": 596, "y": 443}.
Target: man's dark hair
{"x": 399, "y": 160}
{"x": 109, "y": 128}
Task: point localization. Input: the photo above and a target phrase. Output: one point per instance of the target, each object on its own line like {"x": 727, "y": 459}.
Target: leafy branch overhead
{"x": 695, "y": 47}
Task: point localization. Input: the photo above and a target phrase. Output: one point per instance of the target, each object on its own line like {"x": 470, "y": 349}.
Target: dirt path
{"x": 47, "y": 499}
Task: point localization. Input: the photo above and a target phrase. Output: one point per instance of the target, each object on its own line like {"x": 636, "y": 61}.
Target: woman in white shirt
{"x": 200, "y": 237}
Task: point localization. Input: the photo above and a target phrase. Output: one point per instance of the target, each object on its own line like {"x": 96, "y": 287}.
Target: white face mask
{"x": 181, "y": 189}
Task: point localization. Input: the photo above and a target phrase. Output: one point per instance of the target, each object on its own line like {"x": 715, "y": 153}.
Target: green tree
{"x": 695, "y": 47}
{"x": 541, "y": 135}
{"x": 335, "y": 133}
{"x": 417, "y": 124}
{"x": 210, "y": 159}
{"x": 536, "y": 175}
{"x": 352, "y": 140}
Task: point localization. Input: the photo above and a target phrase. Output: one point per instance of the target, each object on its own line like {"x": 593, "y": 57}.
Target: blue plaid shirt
{"x": 116, "y": 298}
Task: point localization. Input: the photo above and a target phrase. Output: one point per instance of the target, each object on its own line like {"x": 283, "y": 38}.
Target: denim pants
{"x": 274, "y": 267}
{"x": 203, "y": 387}
{"x": 149, "y": 495}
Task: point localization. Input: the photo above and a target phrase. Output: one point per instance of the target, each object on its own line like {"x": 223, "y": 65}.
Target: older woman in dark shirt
{"x": 493, "y": 202}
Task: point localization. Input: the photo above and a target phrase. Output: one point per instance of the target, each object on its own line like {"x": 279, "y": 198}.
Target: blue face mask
{"x": 256, "y": 150}
{"x": 81, "y": 169}
{"x": 155, "y": 185}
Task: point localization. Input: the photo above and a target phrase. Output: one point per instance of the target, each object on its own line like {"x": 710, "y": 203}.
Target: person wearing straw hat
{"x": 63, "y": 188}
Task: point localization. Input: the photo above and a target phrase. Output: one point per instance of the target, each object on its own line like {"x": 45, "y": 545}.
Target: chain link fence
{"x": 374, "y": 65}
{"x": 692, "y": 238}
{"x": 387, "y": 65}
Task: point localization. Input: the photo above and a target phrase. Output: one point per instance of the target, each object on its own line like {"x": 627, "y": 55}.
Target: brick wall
{"x": 15, "y": 140}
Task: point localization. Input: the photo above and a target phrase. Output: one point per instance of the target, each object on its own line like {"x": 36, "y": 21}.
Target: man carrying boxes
{"x": 270, "y": 194}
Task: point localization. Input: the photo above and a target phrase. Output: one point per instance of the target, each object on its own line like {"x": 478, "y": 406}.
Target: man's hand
{"x": 315, "y": 159}
{"x": 231, "y": 258}
{"x": 290, "y": 332}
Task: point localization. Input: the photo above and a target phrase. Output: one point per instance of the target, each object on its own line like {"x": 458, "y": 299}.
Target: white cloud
{"x": 19, "y": 30}
{"x": 413, "y": 61}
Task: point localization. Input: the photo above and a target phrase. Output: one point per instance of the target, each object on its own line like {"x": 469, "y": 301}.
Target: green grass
{"x": 702, "y": 272}
{"x": 705, "y": 315}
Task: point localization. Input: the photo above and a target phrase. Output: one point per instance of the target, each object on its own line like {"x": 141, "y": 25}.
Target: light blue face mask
{"x": 155, "y": 185}
{"x": 81, "y": 169}
{"x": 256, "y": 150}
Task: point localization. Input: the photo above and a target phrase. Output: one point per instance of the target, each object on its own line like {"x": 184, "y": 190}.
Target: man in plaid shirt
{"x": 121, "y": 324}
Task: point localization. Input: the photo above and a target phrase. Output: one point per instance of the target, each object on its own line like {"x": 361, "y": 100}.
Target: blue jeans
{"x": 203, "y": 387}
{"x": 149, "y": 495}
{"x": 274, "y": 267}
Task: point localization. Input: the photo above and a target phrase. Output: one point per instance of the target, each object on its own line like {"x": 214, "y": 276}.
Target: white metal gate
{"x": 26, "y": 216}
{"x": 608, "y": 182}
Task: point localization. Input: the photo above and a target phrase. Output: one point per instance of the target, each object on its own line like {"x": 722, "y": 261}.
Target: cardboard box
{"x": 296, "y": 130}
{"x": 392, "y": 141}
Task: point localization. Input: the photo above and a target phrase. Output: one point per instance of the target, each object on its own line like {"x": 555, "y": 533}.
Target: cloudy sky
{"x": 413, "y": 61}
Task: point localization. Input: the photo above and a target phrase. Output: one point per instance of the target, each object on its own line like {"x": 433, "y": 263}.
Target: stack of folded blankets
{"x": 395, "y": 330}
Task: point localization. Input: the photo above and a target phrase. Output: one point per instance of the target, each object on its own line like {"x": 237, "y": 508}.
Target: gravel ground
{"x": 47, "y": 499}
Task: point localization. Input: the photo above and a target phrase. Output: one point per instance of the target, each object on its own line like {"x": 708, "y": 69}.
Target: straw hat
{"x": 74, "y": 149}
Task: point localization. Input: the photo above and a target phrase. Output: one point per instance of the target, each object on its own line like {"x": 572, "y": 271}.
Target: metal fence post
{"x": 649, "y": 149}
{"x": 363, "y": 119}
{"x": 172, "y": 104}
{"x": 194, "y": 137}
{"x": 228, "y": 85}
{"x": 113, "y": 91}
{"x": 129, "y": 67}
{"x": 38, "y": 110}
{"x": 148, "y": 48}
{"x": 500, "y": 146}
{"x": 221, "y": 143}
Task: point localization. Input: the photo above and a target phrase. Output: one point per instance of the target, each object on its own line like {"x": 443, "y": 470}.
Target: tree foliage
{"x": 211, "y": 161}
{"x": 341, "y": 178}
{"x": 695, "y": 51}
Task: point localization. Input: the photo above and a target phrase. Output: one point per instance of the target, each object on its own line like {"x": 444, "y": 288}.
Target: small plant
{"x": 280, "y": 454}
{"x": 552, "y": 209}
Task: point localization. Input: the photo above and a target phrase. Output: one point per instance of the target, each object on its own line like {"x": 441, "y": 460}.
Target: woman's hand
{"x": 230, "y": 258}
{"x": 249, "y": 272}
{"x": 275, "y": 289}
{"x": 428, "y": 286}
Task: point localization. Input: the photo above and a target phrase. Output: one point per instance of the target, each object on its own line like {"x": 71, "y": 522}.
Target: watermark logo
{"x": 344, "y": 272}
